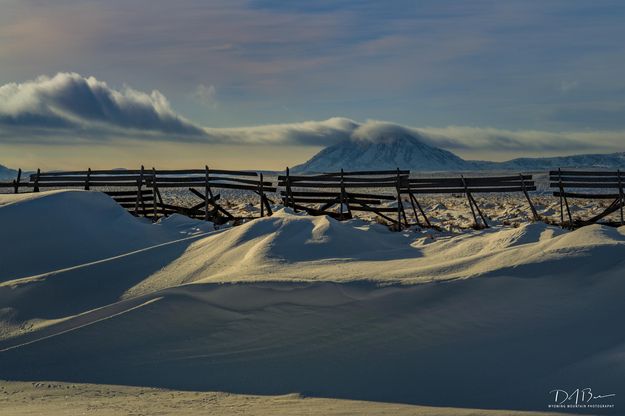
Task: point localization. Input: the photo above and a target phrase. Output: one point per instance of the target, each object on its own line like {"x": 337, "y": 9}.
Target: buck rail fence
{"x": 467, "y": 186}
{"x": 588, "y": 185}
{"x": 209, "y": 180}
{"x": 139, "y": 191}
{"x": 338, "y": 194}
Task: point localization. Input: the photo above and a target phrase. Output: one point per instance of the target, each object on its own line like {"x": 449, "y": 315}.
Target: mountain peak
{"x": 382, "y": 146}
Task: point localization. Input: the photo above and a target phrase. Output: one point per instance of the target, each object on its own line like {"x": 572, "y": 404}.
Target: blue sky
{"x": 551, "y": 66}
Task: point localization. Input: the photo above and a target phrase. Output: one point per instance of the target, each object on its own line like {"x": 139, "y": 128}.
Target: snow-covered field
{"x": 68, "y": 399}
{"x": 495, "y": 318}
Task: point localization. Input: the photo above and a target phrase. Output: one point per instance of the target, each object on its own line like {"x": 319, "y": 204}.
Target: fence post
{"x": 139, "y": 198}
{"x": 36, "y": 187}
{"x": 289, "y": 192}
{"x": 206, "y": 191}
{"x": 529, "y": 201}
{"x": 342, "y": 197}
{"x": 466, "y": 191}
{"x": 87, "y": 179}
{"x": 262, "y": 196}
{"x": 400, "y": 205}
{"x": 16, "y": 183}
{"x": 155, "y": 193}
{"x": 566, "y": 201}
{"x": 621, "y": 196}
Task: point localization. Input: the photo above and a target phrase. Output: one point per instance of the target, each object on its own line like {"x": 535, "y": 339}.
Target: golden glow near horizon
{"x": 163, "y": 155}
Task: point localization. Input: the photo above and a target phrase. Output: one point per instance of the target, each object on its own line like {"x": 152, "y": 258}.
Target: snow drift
{"x": 47, "y": 231}
{"x": 291, "y": 303}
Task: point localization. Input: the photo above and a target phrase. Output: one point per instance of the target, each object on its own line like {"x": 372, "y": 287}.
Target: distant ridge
{"x": 6, "y": 173}
{"x": 399, "y": 148}
{"x": 595, "y": 161}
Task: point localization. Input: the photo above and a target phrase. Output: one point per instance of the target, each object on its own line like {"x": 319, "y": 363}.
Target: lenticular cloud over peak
{"x": 71, "y": 101}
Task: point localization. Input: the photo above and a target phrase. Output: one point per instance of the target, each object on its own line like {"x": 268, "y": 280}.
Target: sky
{"x": 266, "y": 83}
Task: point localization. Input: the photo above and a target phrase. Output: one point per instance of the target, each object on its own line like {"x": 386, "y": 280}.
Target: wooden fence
{"x": 341, "y": 193}
{"x": 139, "y": 191}
{"x": 588, "y": 185}
{"x": 467, "y": 186}
{"x": 337, "y": 194}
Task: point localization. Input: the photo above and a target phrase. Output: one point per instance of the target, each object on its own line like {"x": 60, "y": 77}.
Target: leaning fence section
{"x": 413, "y": 188}
{"x": 205, "y": 185}
{"x": 340, "y": 194}
{"x": 581, "y": 184}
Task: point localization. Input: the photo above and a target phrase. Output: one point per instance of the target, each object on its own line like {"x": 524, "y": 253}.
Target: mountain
{"x": 385, "y": 150}
{"x": 7, "y": 174}
{"x": 398, "y": 148}
{"x": 596, "y": 161}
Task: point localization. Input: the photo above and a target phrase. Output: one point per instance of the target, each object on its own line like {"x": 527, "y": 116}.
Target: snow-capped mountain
{"x": 390, "y": 149}
{"x": 387, "y": 150}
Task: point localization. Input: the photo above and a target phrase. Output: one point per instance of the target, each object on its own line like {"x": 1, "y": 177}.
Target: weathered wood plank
{"x": 211, "y": 180}
{"x": 339, "y": 185}
{"x": 480, "y": 184}
{"x": 582, "y": 173}
{"x": 336, "y": 194}
{"x": 92, "y": 178}
{"x": 594, "y": 185}
{"x": 472, "y": 180}
{"x": 585, "y": 196}
{"x": 203, "y": 171}
{"x": 295, "y": 179}
{"x": 462, "y": 190}
{"x": 81, "y": 184}
{"x": 93, "y": 172}
{"x": 128, "y": 193}
{"x": 368, "y": 172}
{"x": 201, "y": 184}
{"x": 593, "y": 179}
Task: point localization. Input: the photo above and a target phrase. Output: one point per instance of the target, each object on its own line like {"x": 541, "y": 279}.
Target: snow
{"x": 55, "y": 399}
{"x": 291, "y": 303}
{"x": 47, "y": 231}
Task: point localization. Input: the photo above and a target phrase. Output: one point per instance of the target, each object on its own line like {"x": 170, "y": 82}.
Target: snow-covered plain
{"x": 494, "y": 318}
{"x": 68, "y": 399}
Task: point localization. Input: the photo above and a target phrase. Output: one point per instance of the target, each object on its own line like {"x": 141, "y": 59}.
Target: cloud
{"x": 69, "y": 102}
{"x": 502, "y": 141}
{"x": 307, "y": 133}
{"x": 69, "y": 108}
